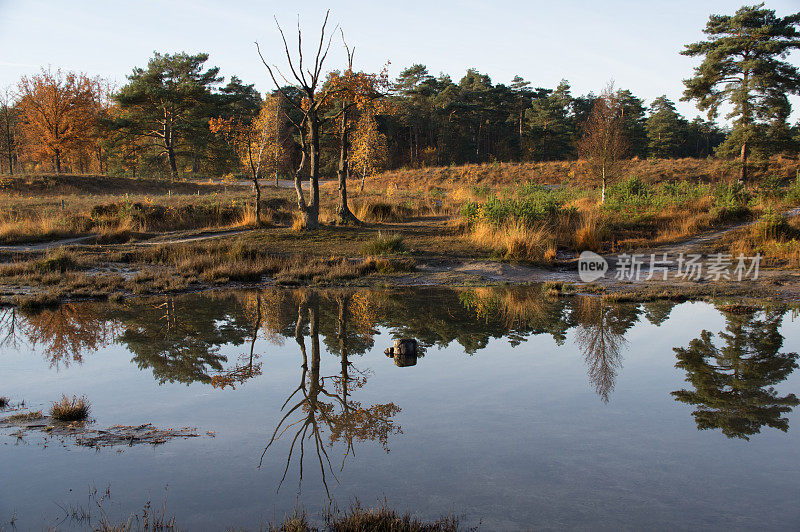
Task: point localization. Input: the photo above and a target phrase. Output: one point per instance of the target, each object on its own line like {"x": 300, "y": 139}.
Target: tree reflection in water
{"x": 600, "y": 335}
{"x": 181, "y": 339}
{"x": 733, "y": 384}
{"x": 344, "y": 418}
{"x": 64, "y": 334}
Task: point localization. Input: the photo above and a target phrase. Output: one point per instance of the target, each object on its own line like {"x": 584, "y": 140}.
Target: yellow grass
{"x": 515, "y": 240}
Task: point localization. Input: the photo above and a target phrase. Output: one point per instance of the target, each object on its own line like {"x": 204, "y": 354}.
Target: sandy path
{"x": 173, "y": 237}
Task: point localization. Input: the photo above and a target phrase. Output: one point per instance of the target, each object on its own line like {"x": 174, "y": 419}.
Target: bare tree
{"x": 603, "y": 144}
{"x": 307, "y": 81}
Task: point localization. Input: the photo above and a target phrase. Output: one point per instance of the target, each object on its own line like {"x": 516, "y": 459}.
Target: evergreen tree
{"x": 171, "y": 102}
{"x": 633, "y": 123}
{"x": 666, "y": 129}
{"x": 550, "y": 125}
{"x": 744, "y": 64}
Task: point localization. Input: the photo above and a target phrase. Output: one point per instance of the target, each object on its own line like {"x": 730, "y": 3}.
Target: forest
{"x": 180, "y": 116}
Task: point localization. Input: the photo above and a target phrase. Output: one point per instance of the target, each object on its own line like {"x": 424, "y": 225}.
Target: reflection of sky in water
{"x": 513, "y": 436}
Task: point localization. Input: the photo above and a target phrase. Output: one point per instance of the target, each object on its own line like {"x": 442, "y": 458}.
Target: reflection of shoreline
{"x": 180, "y": 338}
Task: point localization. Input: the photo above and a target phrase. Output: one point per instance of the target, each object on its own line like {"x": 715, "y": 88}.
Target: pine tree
{"x": 744, "y": 64}
{"x": 666, "y": 128}
{"x": 549, "y": 124}
{"x": 168, "y": 101}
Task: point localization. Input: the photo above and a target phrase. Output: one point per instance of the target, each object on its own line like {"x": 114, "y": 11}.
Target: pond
{"x": 520, "y": 410}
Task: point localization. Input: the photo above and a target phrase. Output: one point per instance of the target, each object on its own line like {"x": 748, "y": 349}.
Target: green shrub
{"x": 528, "y": 208}
{"x": 731, "y": 202}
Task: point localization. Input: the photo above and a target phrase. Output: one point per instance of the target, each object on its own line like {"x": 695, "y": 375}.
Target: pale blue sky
{"x": 636, "y": 43}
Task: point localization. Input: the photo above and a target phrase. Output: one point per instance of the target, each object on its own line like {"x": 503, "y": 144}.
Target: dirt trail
{"x": 494, "y": 271}
{"x": 172, "y": 237}
{"x": 700, "y": 241}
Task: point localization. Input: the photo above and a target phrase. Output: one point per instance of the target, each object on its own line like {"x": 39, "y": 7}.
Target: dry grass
{"x": 773, "y": 236}
{"x": 385, "y": 244}
{"x": 383, "y": 211}
{"x": 119, "y": 217}
{"x": 589, "y": 233}
{"x": 70, "y": 409}
{"x": 25, "y": 416}
{"x": 299, "y": 222}
{"x": 515, "y": 241}
{"x": 574, "y": 172}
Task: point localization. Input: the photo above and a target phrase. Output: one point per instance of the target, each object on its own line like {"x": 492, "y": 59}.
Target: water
{"x": 522, "y": 411}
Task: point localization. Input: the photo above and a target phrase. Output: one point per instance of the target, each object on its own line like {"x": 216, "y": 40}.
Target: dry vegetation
{"x": 118, "y": 209}
{"x": 538, "y": 213}
{"x": 69, "y": 409}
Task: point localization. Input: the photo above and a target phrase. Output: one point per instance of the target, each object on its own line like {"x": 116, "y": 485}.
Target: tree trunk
{"x": 603, "y": 187}
{"x": 173, "y": 166}
{"x": 312, "y": 211}
{"x": 743, "y": 158}
{"x": 258, "y": 200}
{"x": 168, "y": 145}
{"x": 363, "y": 177}
{"x": 343, "y": 210}
{"x": 58, "y": 161}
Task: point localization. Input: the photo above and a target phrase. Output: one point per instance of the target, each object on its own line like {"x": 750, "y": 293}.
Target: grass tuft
{"x": 70, "y": 409}
{"x": 384, "y": 244}
{"x": 358, "y": 519}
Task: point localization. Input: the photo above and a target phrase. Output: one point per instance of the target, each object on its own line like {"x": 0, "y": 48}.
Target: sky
{"x": 634, "y": 43}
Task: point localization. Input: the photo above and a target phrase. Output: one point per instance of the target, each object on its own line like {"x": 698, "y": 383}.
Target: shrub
{"x": 731, "y": 202}
{"x": 527, "y": 210}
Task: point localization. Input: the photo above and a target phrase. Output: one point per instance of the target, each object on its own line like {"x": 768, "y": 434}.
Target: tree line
{"x": 177, "y": 115}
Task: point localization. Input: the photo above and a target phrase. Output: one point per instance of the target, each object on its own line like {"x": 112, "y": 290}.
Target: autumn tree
{"x": 58, "y": 114}
{"x": 370, "y": 148}
{"x": 744, "y": 64}
{"x": 308, "y": 82}
{"x": 271, "y": 130}
{"x": 356, "y": 99}
{"x": 166, "y": 102}
{"x": 603, "y": 144}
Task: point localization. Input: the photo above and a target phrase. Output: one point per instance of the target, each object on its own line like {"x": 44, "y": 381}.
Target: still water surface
{"x": 521, "y": 411}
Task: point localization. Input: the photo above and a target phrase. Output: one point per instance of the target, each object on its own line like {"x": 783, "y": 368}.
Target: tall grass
{"x": 515, "y": 240}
